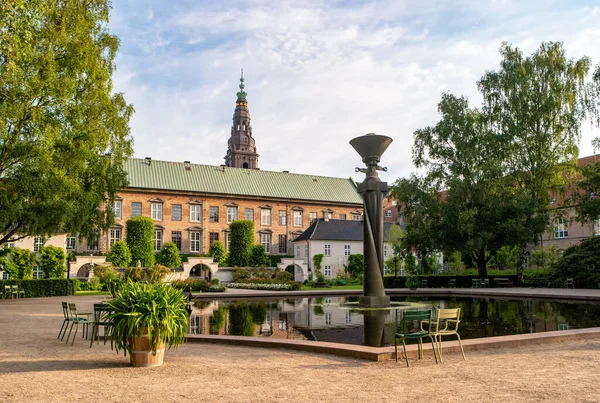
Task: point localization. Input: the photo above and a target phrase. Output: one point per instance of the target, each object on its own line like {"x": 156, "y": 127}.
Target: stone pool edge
{"x": 387, "y": 353}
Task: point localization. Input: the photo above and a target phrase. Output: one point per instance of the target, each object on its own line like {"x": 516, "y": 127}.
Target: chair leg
{"x": 405, "y": 354}
{"x": 94, "y": 331}
{"x": 440, "y": 347}
{"x": 433, "y": 348}
{"x": 69, "y": 335}
{"x": 75, "y": 334}
{"x": 61, "y": 328}
{"x": 396, "y": 348}
{"x": 461, "y": 347}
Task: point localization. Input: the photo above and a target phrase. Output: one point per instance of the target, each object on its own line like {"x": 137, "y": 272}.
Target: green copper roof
{"x": 176, "y": 176}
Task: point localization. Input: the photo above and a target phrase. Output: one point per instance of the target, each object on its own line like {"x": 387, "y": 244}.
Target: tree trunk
{"x": 521, "y": 264}
{"x": 482, "y": 264}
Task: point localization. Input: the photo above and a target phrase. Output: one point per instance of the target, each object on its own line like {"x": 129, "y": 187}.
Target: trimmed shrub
{"x": 140, "y": 231}
{"x": 242, "y": 239}
{"x": 258, "y": 256}
{"x": 581, "y": 263}
{"x": 217, "y": 251}
{"x": 53, "y": 261}
{"x": 267, "y": 287}
{"x": 119, "y": 255}
{"x": 190, "y": 285}
{"x": 157, "y": 274}
{"x": 92, "y": 285}
{"x": 241, "y": 273}
{"x": 134, "y": 274}
{"x": 24, "y": 259}
{"x": 106, "y": 274}
{"x": 42, "y": 288}
{"x": 169, "y": 256}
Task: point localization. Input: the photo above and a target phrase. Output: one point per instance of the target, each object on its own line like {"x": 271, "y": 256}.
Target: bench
{"x": 321, "y": 284}
{"x": 503, "y": 282}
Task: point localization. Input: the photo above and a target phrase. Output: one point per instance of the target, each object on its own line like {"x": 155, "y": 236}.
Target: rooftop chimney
{"x": 148, "y": 160}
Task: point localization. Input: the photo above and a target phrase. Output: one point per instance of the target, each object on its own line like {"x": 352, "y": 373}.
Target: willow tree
{"x": 536, "y": 106}
{"x": 64, "y": 134}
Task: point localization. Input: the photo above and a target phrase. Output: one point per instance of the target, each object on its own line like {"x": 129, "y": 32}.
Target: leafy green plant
{"x": 241, "y": 240}
{"x": 24, "y": 259}
{"x": 139, "y": 240}
{"x": 355, "y": 265}
{"x": 217, "y": 251}
{"x": 157, "y": 310}
{"x": 8, "y": 266}
{"x": 412, "y": 282}
{"x": 580, "y": 262}
{"x": 120, "y": 255}
{"x": 169, "y": 256}
{"x": 134, "y": 274}
{"x": 258, "y": 256}
{"x": 53, "y": 261}
{"x": 455, "y": 261}
{"x": 157, "y": 274}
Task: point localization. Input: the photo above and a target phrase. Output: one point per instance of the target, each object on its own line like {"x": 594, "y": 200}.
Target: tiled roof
{"x": 337, "y": 230}
{"x": 178, "y": 176}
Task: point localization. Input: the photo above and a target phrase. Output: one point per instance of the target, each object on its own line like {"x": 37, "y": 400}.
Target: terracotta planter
{"x": 141, "y": 354}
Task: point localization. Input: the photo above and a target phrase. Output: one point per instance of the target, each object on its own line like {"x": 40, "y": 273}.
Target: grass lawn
{"x": 82, "y": 293}
{"x": 334, "y": 287}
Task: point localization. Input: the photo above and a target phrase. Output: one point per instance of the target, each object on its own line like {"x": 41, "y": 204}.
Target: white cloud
{"x": 317, "y": 75}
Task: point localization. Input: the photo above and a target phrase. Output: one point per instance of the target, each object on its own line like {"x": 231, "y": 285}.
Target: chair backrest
{"x": 73, "y": 310}
{"x": 415, "y": 316}
{"x": 101, "y": 312}
{"x": 445, "y": 314}
{"x": 15, "y": 287}
{"x": 6, "y": 288}
{"x": 65, "y": 308}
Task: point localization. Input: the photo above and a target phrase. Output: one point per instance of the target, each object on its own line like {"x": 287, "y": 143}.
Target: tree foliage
{"x": 396, "y": 238}
{"x": 24, "y": 259}
{"x": 169, "y": 256}
{"x": 242, "y": 239}
{"x": 53, "y": 261}
{"x": 258, "y": 256}
{"x": 217, "y": 251}
{"x": 580, "y": 262}
{"x": 64, "y": 134}
{"x": 119, "y": 254}
{"x": 356, "y": 264}
{"x": 140, "y": 231}
{"x": 587, "y": 193}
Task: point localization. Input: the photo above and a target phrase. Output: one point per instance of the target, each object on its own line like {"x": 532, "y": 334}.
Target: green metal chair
{"x": 446, "y": 324}
{"x": 7, "y": 291}
{"x": 66, "y": 321}
{"x": 76, "y": 319}
{"x": 101, "y": 313}
{"x": 15, "y": 291}
{"x": 414, "y": 318}
{"x": 475, "y": 283}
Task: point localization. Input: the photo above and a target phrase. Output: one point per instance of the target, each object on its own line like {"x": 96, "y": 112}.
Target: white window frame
{"x": 356, "y": 217}
{"x": 118, "y": 207}
{"x": 327, "y": 249}
{"x": 265, "y": 216}
{"x": 327, "y": 270}
{"x": 71, "y": 243}
{"x": 347, "y": 250}
{"x": 180, "y": 240}
{"x": 249, "y": 214}
{"x": 157, "y": 240}
{"x": 38, "y": 243}
{"x": 5, "y": 275}
{"x": 213, "y": 214}
{"x": 133, "y": 210}
{"x": 560, "y": 228}
{"x": 179, "y": 216}
{"x": 285, "y": 243}
{"x": 297, "y": 252}
{"x": 298, "y": 219}
{"x": 38, "y": 272}
{"x": 328, "y": 318}
{"x": 157, "y": 211}
{"x": 388, "y": 213}
{"x": 265, "y": 240}
{"x": 312, "y": 217}
{"x": 282, "y": 217}
{"x": 195, "y": 241}
{"x": 597, "y": 227}
{"x": 11, "y": 243}
{"x": 195, "y": 213}
{"x": 114, "y": 235}
{"x": 232, "y": 214}
{"x": 342, "y": 216}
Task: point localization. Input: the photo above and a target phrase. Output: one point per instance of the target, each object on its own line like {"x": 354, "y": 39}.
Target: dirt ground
{"x": 36, "y": 367}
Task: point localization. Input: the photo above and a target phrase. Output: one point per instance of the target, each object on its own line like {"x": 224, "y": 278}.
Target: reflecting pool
{"x": 339, "y": 319}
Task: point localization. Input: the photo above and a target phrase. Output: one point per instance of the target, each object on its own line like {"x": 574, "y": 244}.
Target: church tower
{"x": 241, "y": 149}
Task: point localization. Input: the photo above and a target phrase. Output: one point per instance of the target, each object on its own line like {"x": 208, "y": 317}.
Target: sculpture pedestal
{"x": 367, "y": 301}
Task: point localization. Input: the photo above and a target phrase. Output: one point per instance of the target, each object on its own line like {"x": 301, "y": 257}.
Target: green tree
{"x": 8, "y": 266}
{"x": 169, "y": 256}
{"x": 395, "y": 237}
{"x": 356, "y": 264}
{"x": 119, "y": 254}
{"x": 140, "y": 231}
{"x": 64, "y": 134}
{"x": 217, "y": 251}
{"x": 24, "y": 259}
{"x": 53, "y": 261}
{"x": 455, "y": 261}
{"x": 535, "y": 105}
{"x": 258, "y": 256}
{"x": 242, "y": 239}
{"x": 587, "y": 193}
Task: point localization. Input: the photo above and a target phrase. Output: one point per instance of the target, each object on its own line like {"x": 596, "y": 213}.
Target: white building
{"x": 336, "y": 240}
{"x": 35, "y": 244}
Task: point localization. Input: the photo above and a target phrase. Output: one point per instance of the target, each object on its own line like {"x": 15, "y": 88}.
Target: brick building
{"x": 193, "y": 205}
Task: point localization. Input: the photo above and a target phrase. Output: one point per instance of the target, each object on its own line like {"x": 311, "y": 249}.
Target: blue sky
{"x": 319, "y": 73}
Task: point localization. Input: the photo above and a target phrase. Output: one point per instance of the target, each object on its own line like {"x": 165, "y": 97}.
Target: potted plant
{"x": 145, "y": 318}
{"x": 412, "y": 282}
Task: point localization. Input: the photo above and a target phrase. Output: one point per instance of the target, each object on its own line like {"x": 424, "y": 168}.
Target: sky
{"x": 319, "y": 73}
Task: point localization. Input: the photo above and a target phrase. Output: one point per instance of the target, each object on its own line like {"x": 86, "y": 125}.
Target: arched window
{"x": 245, "y": 165}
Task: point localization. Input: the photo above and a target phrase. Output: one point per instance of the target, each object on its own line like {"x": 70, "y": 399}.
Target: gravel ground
{"x": 36, "y": 367}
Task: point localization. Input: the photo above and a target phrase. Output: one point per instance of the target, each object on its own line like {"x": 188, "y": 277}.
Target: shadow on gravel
{"x": 9, "y": 367}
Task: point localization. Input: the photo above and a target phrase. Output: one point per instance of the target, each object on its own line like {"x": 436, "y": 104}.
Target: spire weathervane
{"x": 242, "y": 93}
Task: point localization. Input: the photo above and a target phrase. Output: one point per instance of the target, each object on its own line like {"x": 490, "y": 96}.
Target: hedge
{"x": 43, "y": 287}
{"x": 197, "y": 285}
{"x": 267, "y": 287}
{"x": 441, "y": 281}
